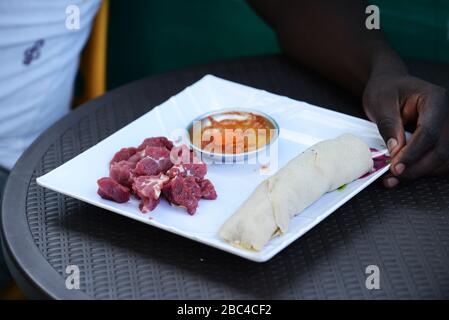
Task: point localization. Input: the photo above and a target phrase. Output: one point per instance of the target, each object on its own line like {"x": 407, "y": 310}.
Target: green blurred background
{"x": 152, "y": 36}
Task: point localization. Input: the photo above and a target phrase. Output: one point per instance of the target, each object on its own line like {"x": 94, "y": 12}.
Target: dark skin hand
{"x": 330, "y": 37}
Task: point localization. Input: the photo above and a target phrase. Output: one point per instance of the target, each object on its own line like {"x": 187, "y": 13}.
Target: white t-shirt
{"x": 38, "y": 63}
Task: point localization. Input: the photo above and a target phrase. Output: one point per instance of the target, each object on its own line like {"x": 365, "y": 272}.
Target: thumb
{"x": 392, "y": 131}
{"x": 382, "y": 104}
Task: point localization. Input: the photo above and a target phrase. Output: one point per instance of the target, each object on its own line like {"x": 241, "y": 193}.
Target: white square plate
{"x": 301, "y": 125}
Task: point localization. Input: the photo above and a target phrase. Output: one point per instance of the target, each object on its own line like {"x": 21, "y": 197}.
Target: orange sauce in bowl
{"x": 234, "y": 132}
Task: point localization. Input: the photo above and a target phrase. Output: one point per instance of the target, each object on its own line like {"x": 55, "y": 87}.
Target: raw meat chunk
{"x": 123, "y": 154}
{"x": 207, "y": 190}
{"x": 139, "y": 155}
{"x": 155, "y": 161}
{"x": 176, "y": 170}
{"x": 184, "y": 192}
{"x": 156, "y": 142}
{"x": 148, "y": 189}
{"x": 197, "y": 170}
{"x": 122, "y": 172}
{"x": 157, "y": 167}
{"x": 112, "y": 190}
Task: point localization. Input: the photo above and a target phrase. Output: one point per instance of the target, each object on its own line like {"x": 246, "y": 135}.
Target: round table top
{"x": 404, "y": 232}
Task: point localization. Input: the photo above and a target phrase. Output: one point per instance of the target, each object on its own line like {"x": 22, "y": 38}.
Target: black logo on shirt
{"x": 33, "y": 53}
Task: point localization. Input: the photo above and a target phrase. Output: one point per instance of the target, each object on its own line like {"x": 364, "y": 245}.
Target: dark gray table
{"x": 405, "y": 232}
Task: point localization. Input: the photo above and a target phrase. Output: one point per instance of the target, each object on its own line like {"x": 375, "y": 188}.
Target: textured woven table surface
{"x": 405, "y": 232}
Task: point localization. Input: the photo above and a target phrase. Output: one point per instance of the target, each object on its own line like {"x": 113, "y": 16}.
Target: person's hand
{"x": 392, "y": 101}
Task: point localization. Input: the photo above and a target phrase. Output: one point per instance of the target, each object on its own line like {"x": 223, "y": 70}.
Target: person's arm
{"x": 330, "y": 37}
